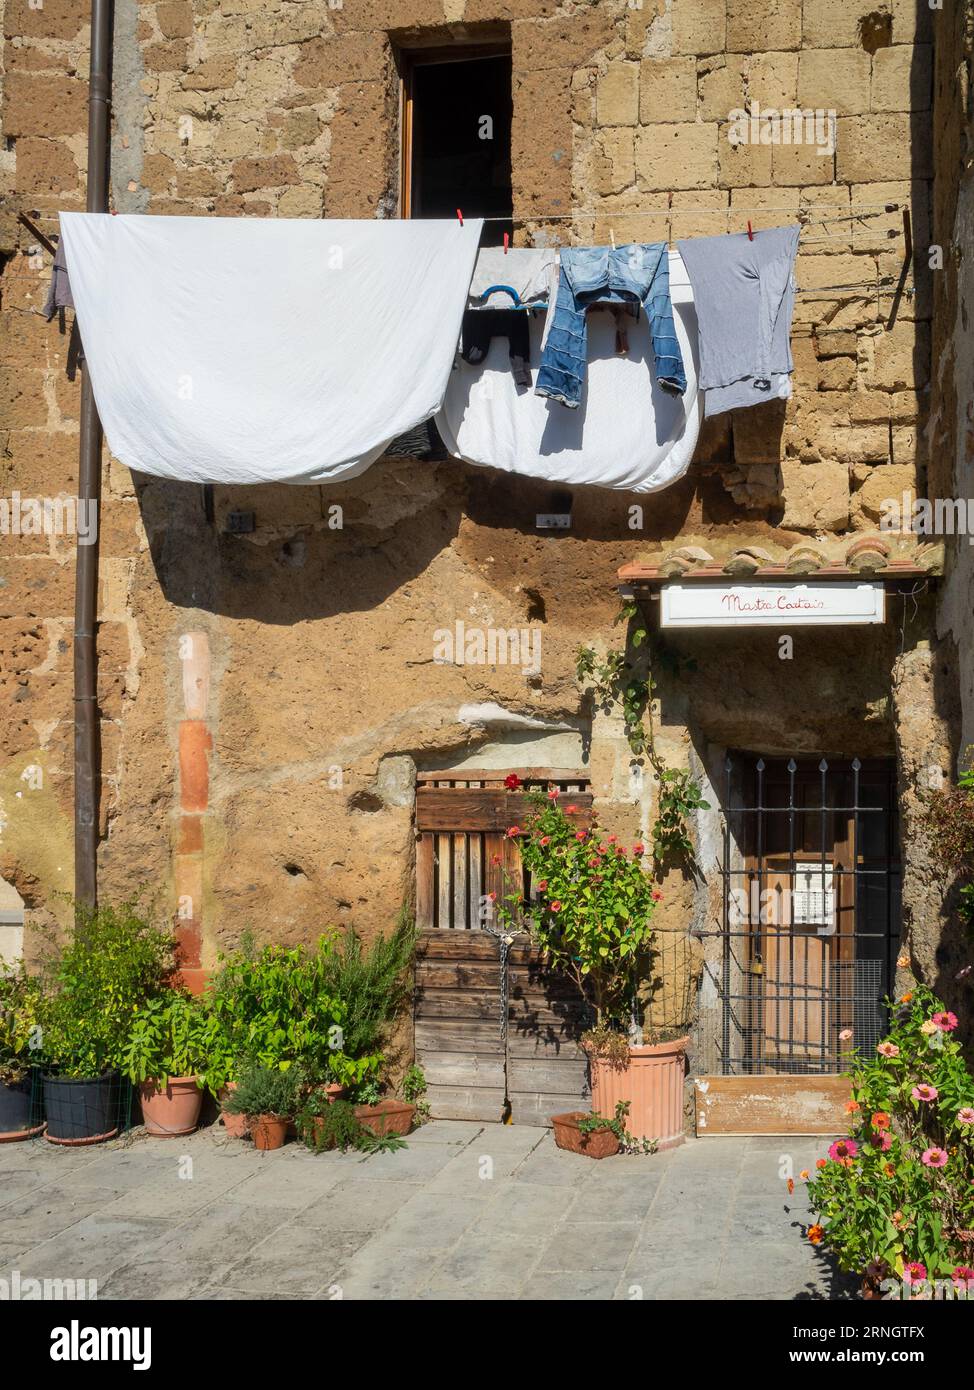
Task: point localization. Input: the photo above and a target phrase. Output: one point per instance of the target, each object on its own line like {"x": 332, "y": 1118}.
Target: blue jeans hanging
{"x": 633, "y": 274}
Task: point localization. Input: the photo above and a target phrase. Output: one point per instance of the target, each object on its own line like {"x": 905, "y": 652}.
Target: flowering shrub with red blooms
{"x": 897, "y": 1196}
{"x": 594, "y": 907}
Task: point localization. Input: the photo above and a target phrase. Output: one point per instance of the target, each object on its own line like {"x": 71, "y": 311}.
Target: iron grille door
{"x": 811, "y": 906}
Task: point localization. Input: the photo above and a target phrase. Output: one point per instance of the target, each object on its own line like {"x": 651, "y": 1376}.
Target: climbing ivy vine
{"x": 624, "y": 678}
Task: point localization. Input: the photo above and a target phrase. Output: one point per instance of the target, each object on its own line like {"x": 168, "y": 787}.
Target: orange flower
{"x": 889, "y": 1170}
{"x": 905, "y": 998}
{"x": 804, "y": 1175}
{"x": 851, "y": 1107}
{"x": 815, "y": 1234}
{"x": 820, "y": 1163}
{"x": 791, "y": 1186}
{"x": 880, "y": 1120}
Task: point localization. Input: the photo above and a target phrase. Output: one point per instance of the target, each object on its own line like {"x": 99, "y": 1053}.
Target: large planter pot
{"x": 81, "y": 1112}
{"x": 235, "y": 1125}
{"x": 652, "y": 1082}
{"x": 18, "y": 1113}
{"x": 174, "y": 1110}
{"x": 268, "y": 1131}
{"x": 598, "y": 1143}
{"x": 388, "y": 1117}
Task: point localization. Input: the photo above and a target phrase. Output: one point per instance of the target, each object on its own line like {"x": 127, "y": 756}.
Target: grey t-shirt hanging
{"x": 744, "y": 294}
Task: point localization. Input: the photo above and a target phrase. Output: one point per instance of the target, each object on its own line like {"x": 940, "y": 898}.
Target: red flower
{"x": 601, "y": 849}
{"x": 571, "y": 810}
{"x": 553, "y": 793}
{"x": 493, "y": 897}
{"x": 512, "y": 781}
{"x": 542, "y": 885}
{"x": 555, "y": 906}
{"x": 820, "y": 1163}
{"x": 657, "y": 896}
{"x": 512, "y": 831}
{"x": 620, "y": 852}
{"x": 639, "y": 848}
{"x": 580, "y": 835}
{"x": 611, "y": 839}
{"x": 495, "y": 858}
{"x": 545, "y": 840}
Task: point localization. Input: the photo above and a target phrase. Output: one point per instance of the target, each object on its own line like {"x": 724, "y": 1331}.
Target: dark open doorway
{"x": 457, "y": 136}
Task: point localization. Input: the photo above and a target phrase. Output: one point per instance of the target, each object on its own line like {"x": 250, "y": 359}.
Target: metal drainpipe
{"x": 86, "y": 717}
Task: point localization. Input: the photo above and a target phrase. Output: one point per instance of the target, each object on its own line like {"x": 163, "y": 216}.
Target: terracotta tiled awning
{"x": 866, "y": 557}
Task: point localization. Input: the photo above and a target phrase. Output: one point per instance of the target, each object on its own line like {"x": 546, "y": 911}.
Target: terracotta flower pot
{"x": 598, "y": 1143}
{"x": 268, "y": 1131}
{"x": 652, "y": 1082}
{"x": 388, "y": 1117}
{"x": 234, "y": 1125}
{"x": 333, "y": 1091}
{"x": 173, "y": 1111}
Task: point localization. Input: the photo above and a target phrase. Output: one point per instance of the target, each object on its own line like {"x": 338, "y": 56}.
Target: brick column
{"x": 195, "y": 743}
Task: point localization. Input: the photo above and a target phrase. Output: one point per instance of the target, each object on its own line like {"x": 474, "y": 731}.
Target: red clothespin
{"x": 750, "y": 234}
{"x": 460, "y": 216}
{"x": 507, "y": 242}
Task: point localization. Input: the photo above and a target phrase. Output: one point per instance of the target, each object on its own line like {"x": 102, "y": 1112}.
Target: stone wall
{"x": 238, "y": 673}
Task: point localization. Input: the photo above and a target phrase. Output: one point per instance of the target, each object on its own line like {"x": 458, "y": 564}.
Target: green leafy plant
{"x": 623, "y": 678}
{"x": 266, "y": 1091}
{"x": 368, "y": 1092}
{"x": 275, "y": 1006}
{"x": 20, "y": 1033}
{"x": 896, "y": 1197}
{"x": 413, "y": 1092}
{"x": 373, "y": 983}
{"x": 593, "y": 1122}
{"x": 168, "y": 1037}
{"x": 111, "y": 962}
{"x": 593, "y": 910}
{"x": 322, "y": 1125}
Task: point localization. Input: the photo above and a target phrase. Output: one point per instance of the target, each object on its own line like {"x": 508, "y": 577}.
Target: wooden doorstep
{"x": 771, "y": 1105}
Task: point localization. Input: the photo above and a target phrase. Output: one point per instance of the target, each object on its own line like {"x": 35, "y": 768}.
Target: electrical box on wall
{"x": 239, "y": 523}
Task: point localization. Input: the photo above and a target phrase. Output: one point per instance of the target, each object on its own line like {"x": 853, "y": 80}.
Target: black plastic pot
{"x": 15, "y": 1106}
{"x": 81, "y": 1111}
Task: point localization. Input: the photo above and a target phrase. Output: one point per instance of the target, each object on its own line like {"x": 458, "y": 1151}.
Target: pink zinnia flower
{"x": 934, "y": 1158}
{"x": 542, "y": 885}
{"x": 556, "y": 906}
{"x": 639, "y": 848}
{"x": 843, "y": 1148}
{"x": 914, "y": 1273}
{"x": 580, "y": 835}
{"x": 513, "y": 830}
{"x": 962, "y": 1272}
{"x": 657, "y": 896}
{"x": 924, "y": 1092}
{"x": 888, "y": 1049}
{"x": 553, "y": 793}
{"x": 965, "y": 1116}
{"x": 945, "y": 1021}
{"x": 881, "y": 1141}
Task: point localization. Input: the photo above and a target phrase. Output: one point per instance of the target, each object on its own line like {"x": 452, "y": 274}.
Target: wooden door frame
{"x": 409, "y": 60}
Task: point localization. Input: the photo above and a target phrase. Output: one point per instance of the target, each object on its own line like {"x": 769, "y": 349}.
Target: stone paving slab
{"x": 466, "y": 1211}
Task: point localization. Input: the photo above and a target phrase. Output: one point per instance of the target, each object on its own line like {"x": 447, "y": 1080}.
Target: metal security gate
{"x": 811, "y": 911}
{"x": 491, "y": 1023}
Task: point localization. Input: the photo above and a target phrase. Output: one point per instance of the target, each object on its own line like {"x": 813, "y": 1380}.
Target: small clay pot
{"x": 598, "y": 1143}
{"x": 268, "y": 1131}
{"x": 235, "y": 1125}
{"x": 388, "y": 1117}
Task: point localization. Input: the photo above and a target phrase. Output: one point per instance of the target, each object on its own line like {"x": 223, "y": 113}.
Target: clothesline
{"x": 802, "y": 214}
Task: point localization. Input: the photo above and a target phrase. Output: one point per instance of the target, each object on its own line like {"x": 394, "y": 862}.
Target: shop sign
{"x": 785, "y": 605}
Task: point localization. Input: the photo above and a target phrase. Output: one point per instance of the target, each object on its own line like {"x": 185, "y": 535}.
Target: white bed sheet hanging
{"x": 257, "y": 350}
{"x": 629, "y": 433}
